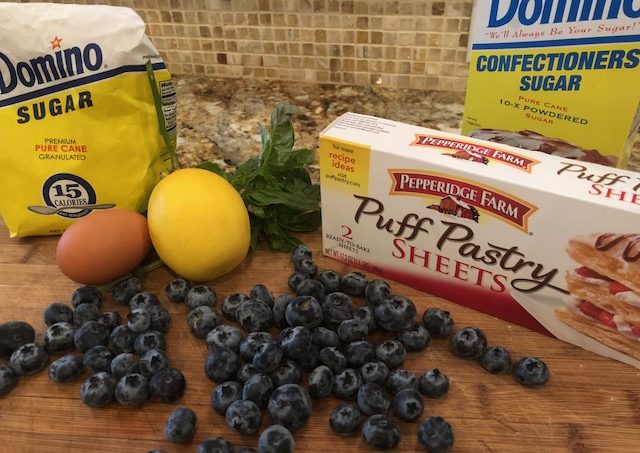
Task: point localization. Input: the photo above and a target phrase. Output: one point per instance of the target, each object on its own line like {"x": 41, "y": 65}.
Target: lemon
{"x": 198, "y": 224}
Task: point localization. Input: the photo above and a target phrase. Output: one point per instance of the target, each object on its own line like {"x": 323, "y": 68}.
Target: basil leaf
{"x": 264, "y": 137}
{"x": 257, "y": 226}
{"x": 281, "y": 197}
{"x": 279, "y": 239}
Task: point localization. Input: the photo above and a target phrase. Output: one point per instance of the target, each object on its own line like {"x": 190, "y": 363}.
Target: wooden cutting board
{"x": 591, "y": 404}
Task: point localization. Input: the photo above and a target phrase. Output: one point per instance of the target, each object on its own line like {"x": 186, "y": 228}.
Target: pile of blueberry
{"x": 126, "y": 361}
{"x": 319, "y": 348}
{"x": 279, "y": 355}
{"x": 242, "y": 392}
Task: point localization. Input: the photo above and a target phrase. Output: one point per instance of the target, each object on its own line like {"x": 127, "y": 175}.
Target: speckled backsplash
{"x": 402, "y": 44}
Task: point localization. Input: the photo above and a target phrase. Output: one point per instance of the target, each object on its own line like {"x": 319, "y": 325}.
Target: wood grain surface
{"x": 591, "y": 404}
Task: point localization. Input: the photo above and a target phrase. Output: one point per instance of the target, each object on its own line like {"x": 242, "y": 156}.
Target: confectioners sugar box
{"x": 546, "y": 242}
{"x": 556, "y": 76}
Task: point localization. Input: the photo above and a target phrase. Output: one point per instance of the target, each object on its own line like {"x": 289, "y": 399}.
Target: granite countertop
{"x": 218, "y": 118}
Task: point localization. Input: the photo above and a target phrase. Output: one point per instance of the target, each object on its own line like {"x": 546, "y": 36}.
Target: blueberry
{"x": 125, "y": 363}
{"x": 244, "y": 417}
{"x": 310, "y": 287}
{"x": 358, "y": 353}
{"x": 8, "y": 379}
{"x": 152, "y": 361}
{"x": 276, "y": 439}
{"x": 215, "y": 445}
{"x": 139, "y": 320}
{"x": 367, "y": 313}
{"x": 333, "y": 317}
{"x": 295, "y": 341}
{"x": 254, "y": 315}
{"x": 200, "y": 295}
{"x": 306, "y": 267}
{"x": 333, "y": 358}
{"x": 351, "y": 330}
{"x": 469, "y": 342}
{"x": 400, "y": 379}
{"x": 433, "y": 383}
{"x": 309, "y": 360}
{"x": 110, "y": 319}
{"x": 435, "y": 435}
{"x": 125, "y": 289}
{"x": 160, "y": 318}
{"x": 122, "y": 339}
{"x": 415, "y": 338}
{"x": 495, "y": 360}
{"x": 299, "y": 253}
{"x": 261, "y": 292}
{"x": 58, "y": 338}
{"x": 290, "y": 406}
{"x": 268, "y": 357}
{"x": 345, "y": 419}
{"x": 330, "y": 280}
{"x": 392, "y": 353}
{"x": 289, "y": 372}
{"x": 222, "y": 365}
{"x": 87, "y": 294}
{"x": 167, "y": 384}
{"x": 338, "y": 300}
{"x": 321, "y": 382}
{"x": 380, "y": 432}
{"x": 395, "y": 313}
{"x": 143, "y": 299}
{"x": 57, "y": 312}
{"x": 347, "y": 383}
{"x": 98, "y": 359}
{"x": 176, "y": 290}
{"x": 323, "y": 337}
{"x": 376, "y": 292}
{"x": 231, "y": 303}
{"x": 132, "y": 390}
{"x": 294, "y": 280}
{"x": 66, "y": 369}
{"x": 180, "y": 426}
{"x": 224, "y": 394}
{"x": 245, "y": 372}
{"x": 258, "y": 389}
{"x": 438, "y": 322}
{"x": 408, "y": 405}
{"x": 249, "y": 344}
{"x": 201, "y": 320}
{"x": 149, "y": 340}
{"x": 224, "y": 336}
{"x": 531, "y": 372}
{"x": 98, "y": 390}
{"x": 353, "y": 283}
{"x": 304, "y": 311}
{"x": 279, "y": 309}
{"x": 85, "y": 312}
{"x": 373, "y": 399}
{"x": 374, "y": 372}
{"x": 29, "y": 359}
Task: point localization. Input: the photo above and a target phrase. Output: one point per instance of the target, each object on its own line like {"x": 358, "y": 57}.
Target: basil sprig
{"x": 276, "y": 187}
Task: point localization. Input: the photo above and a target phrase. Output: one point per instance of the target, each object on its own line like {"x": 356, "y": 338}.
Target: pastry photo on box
{"x": 605, "y": 290}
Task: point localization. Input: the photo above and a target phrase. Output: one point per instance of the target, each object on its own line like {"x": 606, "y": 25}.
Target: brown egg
{"x": 103, "y": 246}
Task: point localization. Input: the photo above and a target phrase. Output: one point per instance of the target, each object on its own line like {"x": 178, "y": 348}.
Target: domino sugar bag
{"x": 87, "y": 114}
